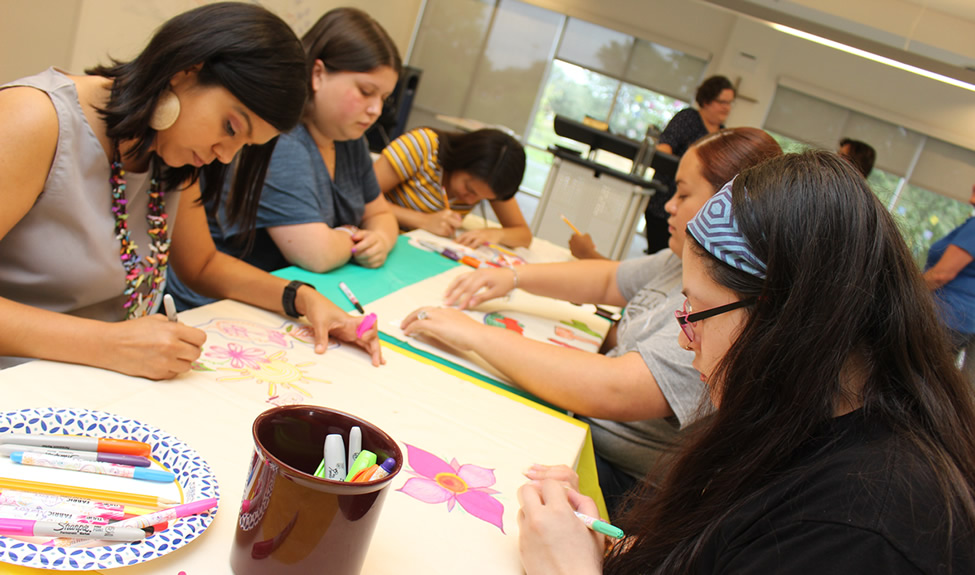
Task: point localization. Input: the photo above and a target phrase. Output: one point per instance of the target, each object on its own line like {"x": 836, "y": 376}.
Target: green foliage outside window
{"x": 923, "y": 216}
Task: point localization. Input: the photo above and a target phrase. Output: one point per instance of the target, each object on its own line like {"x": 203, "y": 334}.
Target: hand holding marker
{"x": 367, "y": 321}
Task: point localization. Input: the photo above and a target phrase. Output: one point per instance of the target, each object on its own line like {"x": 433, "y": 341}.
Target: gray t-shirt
{"x": 651, "y": 286}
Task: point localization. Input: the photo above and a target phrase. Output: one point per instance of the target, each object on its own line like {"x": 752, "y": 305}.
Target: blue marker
{"x": 99, "y": 467}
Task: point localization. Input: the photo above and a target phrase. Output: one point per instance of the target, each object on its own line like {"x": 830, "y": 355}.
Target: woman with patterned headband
{"x": 638, "y": 396}
{"x": 844, "y": 438}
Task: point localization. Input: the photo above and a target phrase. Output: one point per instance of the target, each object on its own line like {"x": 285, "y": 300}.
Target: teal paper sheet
{"x": 405, "y": 265}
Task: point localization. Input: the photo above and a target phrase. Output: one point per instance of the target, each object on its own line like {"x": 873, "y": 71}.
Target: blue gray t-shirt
{"x": 297, "y": 190}
{"x": 956, "y": 299}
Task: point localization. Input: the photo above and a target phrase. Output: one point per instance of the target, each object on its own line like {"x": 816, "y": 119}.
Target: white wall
{"x": 76, "y": 34}
{"x": 79, "y": 34}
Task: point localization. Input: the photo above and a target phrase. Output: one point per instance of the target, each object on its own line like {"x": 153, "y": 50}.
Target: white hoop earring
{"x": 166, "y": 112}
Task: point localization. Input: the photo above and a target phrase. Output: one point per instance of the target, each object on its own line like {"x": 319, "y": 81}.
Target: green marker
{"x": 365, "y": 459}
{"x": 600, "y": 526}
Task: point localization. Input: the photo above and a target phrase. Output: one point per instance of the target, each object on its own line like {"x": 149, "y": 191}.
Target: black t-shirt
{"x": 865, "y": 503}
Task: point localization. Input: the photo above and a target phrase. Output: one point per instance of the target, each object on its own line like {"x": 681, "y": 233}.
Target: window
{"x": 924, "y": 182}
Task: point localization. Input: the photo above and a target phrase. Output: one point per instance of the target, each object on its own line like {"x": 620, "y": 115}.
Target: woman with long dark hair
{"x": 844, "y": 438}
{"x": 94, "y": 169}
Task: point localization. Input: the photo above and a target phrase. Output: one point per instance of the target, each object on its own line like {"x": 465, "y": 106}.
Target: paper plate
{"x": 192, "y": 473}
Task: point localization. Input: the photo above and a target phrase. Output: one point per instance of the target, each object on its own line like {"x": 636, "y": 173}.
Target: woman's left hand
{"x": 477, "y": 238}
{"x": 370, "y": 248}
{"x": 448, "y": 325}
{"x": 327, "y": 319}
{"x": 552, "y": 539}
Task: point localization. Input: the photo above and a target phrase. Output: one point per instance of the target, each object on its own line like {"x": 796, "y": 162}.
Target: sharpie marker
{"x": 600, "y": 526}
{"x": 355, "y": 444}
{"x": 348, "y": 293}
{"x": 118, "y": 458}
{"x": 28, "y": 528}
{"x": 75, "y": 443}
{"x": 71, "y": 464}
{"x": 50, "y": 515}
{"x": 153, "y": 519}
{"x": 26, "y": 500}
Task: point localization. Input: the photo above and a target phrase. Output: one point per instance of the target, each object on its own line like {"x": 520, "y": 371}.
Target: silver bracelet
{"x": 514, "y": 271}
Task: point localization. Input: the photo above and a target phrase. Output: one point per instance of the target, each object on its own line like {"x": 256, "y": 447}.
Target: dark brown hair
{"x": 243, "y": 48}
{"x": 489, "y": 155}
{"x": 710, "y": 89}
{"x": 841, "y": 289}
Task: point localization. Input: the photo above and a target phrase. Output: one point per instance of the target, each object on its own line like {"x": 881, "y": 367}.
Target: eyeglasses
{"x": 728, "y": 103}
{"x": 686, "y": 317}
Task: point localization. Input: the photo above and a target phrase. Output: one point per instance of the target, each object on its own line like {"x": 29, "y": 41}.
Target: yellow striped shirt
{"x": 415, "y": 157}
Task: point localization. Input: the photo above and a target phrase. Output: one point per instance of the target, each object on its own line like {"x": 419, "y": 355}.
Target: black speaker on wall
{"x": 396, "y": 111}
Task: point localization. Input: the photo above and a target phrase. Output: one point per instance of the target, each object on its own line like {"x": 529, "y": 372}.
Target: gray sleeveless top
{"x": 63, "y": 255}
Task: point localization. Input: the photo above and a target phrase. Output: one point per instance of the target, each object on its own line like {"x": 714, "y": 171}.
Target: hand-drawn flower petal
{"x": 426, "y": 490}
{"x": 426, "y": 463}
{"x": 483, "y": 507}
{"x": 476, "y": 476}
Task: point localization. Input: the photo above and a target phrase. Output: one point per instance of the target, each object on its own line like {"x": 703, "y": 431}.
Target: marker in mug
{"x": 333, "y": 466}
{"x": 365, "y": 460}
{"x": 384, "y": 470}
{"x": 600, "y": 526}
{"x": 118, "y": 458}
{"x": 355, "y": 444}
{"x": 348, "y": 293}
{"x": 170, "y": 306}
{"x": 28, "y": 528}
{"x": 71, "y": 464}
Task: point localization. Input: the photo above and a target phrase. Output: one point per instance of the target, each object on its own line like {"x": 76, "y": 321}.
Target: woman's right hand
{"x": 470, "y": 290}
{"x": 443, "y": 223}
{"x": 552, "y": 539}
{"x": 152, "y": 347}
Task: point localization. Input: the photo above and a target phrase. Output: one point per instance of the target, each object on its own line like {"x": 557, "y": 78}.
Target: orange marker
{"x": 473, "y": 262}
{"x": 365, "y": 474}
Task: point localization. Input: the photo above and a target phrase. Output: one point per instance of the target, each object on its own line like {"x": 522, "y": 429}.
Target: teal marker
{"x": 600, "y": 526}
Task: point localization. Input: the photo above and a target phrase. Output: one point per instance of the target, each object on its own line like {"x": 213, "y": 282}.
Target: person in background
{"x": 843, "y": 439}
{"x": 638, "y": 395}
{"x": 950, "y": 274}
{"x": 715, "y": 97}
{"x": 96, "y": 169}
{"x": 434, "y": 178}
{"x": 860, "y": 154}
{"x": 321, "y": 204}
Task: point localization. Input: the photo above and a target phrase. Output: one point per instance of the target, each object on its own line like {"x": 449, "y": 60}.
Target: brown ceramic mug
{"x": 293, "y": 522}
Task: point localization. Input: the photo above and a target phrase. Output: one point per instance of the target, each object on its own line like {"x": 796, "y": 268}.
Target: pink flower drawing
{"x": 440, "y": 482}
{"x": 238, "y": 355}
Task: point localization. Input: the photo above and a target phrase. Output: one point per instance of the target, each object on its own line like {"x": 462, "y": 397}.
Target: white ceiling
{"x": 938, "y": 35}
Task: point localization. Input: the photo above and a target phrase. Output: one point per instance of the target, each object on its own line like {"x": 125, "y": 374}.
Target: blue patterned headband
{"x": 715, "y": 228}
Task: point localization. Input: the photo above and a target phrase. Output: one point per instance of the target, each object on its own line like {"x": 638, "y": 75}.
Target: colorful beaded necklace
{"x": 147, "y": 272}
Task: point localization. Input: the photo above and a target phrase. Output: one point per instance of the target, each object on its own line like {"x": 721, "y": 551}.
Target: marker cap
{"x": 125, "y": 446}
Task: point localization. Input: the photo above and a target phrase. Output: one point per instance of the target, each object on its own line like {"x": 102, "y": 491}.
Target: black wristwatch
{"x": 289, "y": 295}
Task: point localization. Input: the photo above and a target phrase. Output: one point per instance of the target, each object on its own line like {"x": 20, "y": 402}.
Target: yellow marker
{"x": 575, "y": 229}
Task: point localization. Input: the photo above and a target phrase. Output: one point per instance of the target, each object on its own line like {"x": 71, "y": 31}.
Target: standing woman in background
{"x": 321, "y": 205}
{"x": 433, "y": 179}
{"x": 714, "y": 98}
{"x": 844, "y": 438}
{"x": 94, "y": 168}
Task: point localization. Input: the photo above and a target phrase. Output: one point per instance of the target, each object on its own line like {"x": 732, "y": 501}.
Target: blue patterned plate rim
{"x": 169, "y": 451}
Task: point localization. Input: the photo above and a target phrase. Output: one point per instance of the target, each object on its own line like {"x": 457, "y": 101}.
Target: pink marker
{"x": 165, "y": 516}
{"x": 366, "y": 325}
